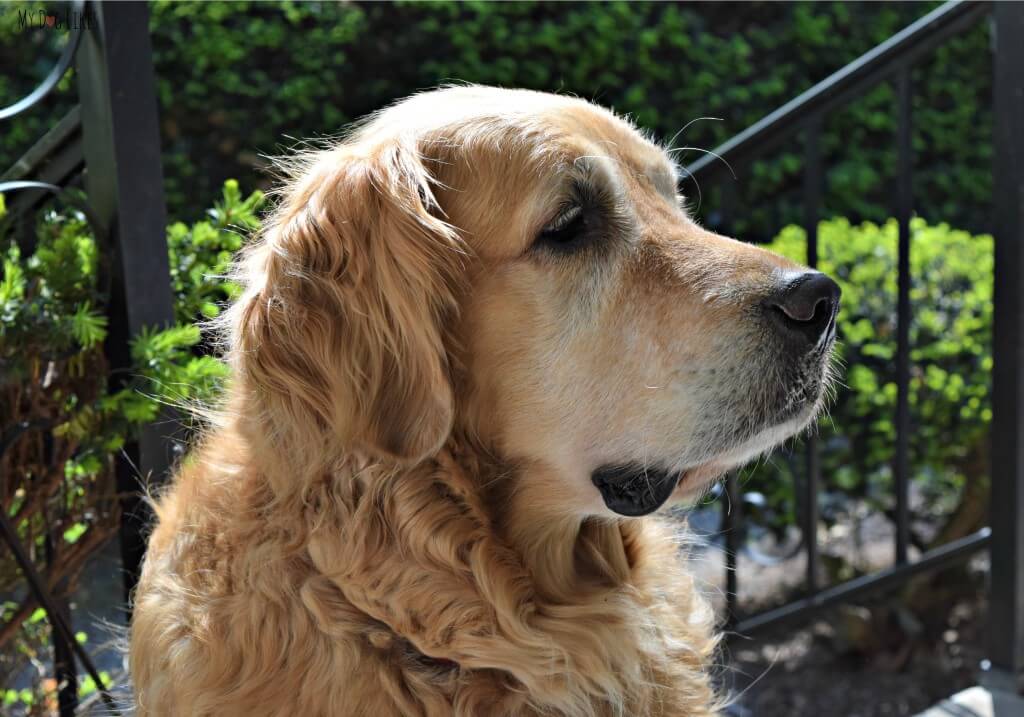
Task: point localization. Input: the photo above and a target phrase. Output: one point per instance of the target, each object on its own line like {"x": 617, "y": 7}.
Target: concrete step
{"x": 978, "y": 702}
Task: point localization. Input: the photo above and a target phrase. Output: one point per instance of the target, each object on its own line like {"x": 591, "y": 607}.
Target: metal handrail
{"x": 870, "y": 69}
{"x": 892, "y": 61}
{"x": 944, "y": 556}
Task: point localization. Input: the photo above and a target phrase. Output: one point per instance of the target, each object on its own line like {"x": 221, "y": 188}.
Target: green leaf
{"x": 76, "y": 531}
{"x": 89, "y": 327}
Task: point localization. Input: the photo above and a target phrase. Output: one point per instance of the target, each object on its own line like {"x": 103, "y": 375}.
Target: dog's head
{"x": 520, "y": 267}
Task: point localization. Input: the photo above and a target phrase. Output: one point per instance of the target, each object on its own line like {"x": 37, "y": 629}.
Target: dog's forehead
{"x": 594, "y": 126}
{"x": 570, "y": 126}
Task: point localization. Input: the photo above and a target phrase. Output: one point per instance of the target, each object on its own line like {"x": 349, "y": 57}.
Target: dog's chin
{"x": 635, "y": 489}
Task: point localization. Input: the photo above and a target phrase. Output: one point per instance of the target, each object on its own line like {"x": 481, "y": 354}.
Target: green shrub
{"x": 53, "y": 373}
{"x": 950, "y": 385}
{"x": 240, "y": 79}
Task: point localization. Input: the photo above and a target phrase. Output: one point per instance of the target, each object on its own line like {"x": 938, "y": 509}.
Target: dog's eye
{"x": 565, "y": 230}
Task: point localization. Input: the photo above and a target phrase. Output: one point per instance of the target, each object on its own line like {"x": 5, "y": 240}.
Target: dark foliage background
{"x": 241, "y": 80}
{"x": 238, "y": 80}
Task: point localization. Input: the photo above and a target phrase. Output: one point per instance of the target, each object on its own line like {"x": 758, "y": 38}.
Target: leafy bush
{"x": 950, "y": 385}
{"x": 307, "y": 69}
{"x": 57, "y": 483}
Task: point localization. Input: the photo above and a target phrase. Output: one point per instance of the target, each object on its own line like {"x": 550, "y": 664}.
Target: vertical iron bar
{"x": 726, "y": 226}
{"x": 732, "y": 498}
{"x": 124, "y": 180}
{"x": 1006, "y": 596}
{"x": 63, "y": 658}
{"x": 812, "y": 189}
{"x": 731, "y": 518}
{"x": 904, "y": 192}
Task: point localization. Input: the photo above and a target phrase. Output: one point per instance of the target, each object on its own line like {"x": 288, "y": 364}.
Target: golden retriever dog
{"x": 478, "y": 341}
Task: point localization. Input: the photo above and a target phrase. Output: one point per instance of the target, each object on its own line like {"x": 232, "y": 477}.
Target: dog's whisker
{"x": 668, "y": 145}
{"x": 681, "y": 150}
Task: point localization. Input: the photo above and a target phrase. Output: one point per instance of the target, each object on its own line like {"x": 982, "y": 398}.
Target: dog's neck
{"x": 565, "y": 553}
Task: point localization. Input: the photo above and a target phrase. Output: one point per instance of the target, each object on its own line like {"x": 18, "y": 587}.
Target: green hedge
{"x": 240, "y": 79}
{"x": 950, "y": 384}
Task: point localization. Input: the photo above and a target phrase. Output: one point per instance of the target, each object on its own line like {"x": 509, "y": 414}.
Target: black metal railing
{"x": 892, "y": 61}
{"x": 109, "y": 143}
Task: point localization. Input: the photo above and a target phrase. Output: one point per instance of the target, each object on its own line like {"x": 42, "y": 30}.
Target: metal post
{"x": 1006, "y": 599}
{"x": 732, "y": 495}
{"x": 813, "y": 178}
{"x": 124, "y": 180}
{"x": 732, "y": 519}
{"x": 63, "y": 657}
{"x": 905, "y": 200}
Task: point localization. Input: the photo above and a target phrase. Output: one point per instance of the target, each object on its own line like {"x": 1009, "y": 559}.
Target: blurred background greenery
{"x": 238, "y": 81}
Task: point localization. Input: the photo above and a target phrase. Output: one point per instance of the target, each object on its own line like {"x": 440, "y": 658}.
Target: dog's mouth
{"x": 633, "y": 490}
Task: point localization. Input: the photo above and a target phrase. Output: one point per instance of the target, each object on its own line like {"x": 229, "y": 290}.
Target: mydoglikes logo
{"x": 50, "y": 20}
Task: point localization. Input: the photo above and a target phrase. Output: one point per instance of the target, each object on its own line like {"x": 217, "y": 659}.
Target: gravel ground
{"x": 802, "y": 673}
{"x": 814, "y": 671}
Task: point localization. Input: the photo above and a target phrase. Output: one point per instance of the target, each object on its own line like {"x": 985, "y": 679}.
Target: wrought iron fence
{"x": 108, "y": 143}
{"x": 892, "y": 61}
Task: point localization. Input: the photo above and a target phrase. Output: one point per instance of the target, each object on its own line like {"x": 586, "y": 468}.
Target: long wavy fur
{"x": 329, "y": 547}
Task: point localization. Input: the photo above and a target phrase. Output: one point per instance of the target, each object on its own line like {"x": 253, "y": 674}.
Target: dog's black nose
{"x": 805, "y": 307}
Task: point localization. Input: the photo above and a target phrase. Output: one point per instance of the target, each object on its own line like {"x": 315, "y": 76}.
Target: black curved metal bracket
{"x": 63, "y": 63}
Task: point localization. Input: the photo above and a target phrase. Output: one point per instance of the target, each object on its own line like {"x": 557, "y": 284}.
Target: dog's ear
{"x": 340, "y": 328}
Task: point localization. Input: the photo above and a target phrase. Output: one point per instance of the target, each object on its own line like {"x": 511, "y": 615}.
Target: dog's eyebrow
{"x": 588, "y": 163}
{"x": 596, "y": 169}
{"x": 665, "y": 173}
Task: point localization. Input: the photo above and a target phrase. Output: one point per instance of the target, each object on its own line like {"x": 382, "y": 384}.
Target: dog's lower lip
{"x": 634, "y": 490}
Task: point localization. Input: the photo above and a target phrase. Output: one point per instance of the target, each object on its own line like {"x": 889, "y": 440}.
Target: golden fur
{"x": 394, "y": 513}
